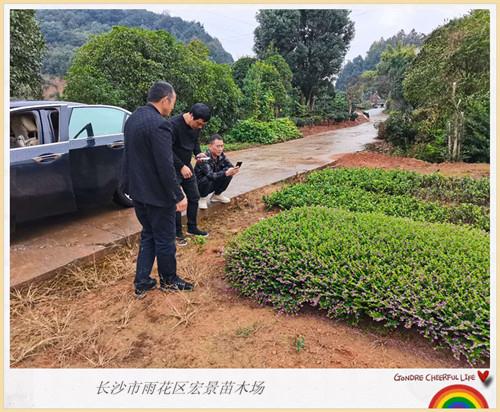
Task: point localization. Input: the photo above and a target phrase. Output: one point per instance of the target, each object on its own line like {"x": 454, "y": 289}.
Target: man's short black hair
{"x": 200, "y": 111}
{"x": 215, "y": 137}
{"x": 159, "y": 90}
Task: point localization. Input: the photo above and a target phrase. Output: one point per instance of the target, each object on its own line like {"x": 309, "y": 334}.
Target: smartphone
{"x": 238, "y": 164}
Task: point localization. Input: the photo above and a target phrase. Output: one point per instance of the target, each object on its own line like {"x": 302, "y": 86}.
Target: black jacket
{"x": 148, "y": 174}
{"x": 186, "y": 142}
{"x": 212, "y": 169}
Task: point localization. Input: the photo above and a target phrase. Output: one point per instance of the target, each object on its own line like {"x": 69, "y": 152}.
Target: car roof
{"x": 14, "y": 104}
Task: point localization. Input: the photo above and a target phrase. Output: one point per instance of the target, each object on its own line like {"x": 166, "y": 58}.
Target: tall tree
{"x": 240, "y": 69}
{"x": 350, "y": 72}
{"x": 449, "y": 80}
{"x": 26, "y": 54}
{"x": 394, "y": 62}
{"x": 119, "y": 67}
{"x": 313, "y": 43}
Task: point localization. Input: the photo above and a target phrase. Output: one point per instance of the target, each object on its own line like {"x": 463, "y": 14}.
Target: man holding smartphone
{"x": 214, "y": 173}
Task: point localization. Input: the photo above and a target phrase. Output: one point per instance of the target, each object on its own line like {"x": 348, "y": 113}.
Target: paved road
{"x": 41, "y": 248}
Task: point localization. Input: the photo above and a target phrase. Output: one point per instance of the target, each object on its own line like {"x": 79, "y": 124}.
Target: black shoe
{"x": 141, "y": 292}
{"x": 197, "y": 232}
{"x": 180, "y": 240}
{"x": 175, "y": 283}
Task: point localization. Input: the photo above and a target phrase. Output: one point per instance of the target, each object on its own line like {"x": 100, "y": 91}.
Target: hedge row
{"x": 317, "y": 120}
{"x": 391, "y": 193}
{"x": 434, "y": 277}
{"x": 399, "y": 182}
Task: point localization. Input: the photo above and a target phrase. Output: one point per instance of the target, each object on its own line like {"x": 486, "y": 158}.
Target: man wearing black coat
{"x": 214, "y": 173}
{"x": 186, "y": 129}
{"x": 150, "y": 180}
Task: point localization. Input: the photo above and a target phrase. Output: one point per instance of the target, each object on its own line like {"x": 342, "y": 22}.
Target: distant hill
{"x": 66, "y": 30}
{"x": 352, "y": 69}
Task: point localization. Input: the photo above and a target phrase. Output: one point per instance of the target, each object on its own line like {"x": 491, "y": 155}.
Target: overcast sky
{"x": 234, "y": 24}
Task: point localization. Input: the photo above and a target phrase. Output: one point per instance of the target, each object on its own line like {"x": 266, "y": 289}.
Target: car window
{"x": 95, "y": 121}
{"x": 24, "y": 130}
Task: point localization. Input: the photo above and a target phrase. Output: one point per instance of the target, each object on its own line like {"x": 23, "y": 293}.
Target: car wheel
{"x": 123, "y": 199}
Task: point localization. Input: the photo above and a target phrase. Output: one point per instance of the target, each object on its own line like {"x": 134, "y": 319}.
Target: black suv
{"x": 63, "y": 156}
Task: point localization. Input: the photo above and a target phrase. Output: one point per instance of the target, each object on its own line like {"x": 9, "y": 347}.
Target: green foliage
{"x": 120, "y": 66}
{"x": 399, "y": 130}
{"x": 266, "y": 88}
{"x": 66, "y": 30}
{"x": 26, "y": 52}
{"x": 394, "y": 62}
{"x": 299, "y": 343}
{"x": 200, "y": 243}
{"x": 433, "y": 277}
{"x": 254, "y": 131}
{"x": 477, "y": 128}
{"x": 352, "y": 70}
{"x": 457, "y": 52}
{"x": 313, "y": 43}
{"x": 240, "y": 69}
{"x": 258, "y": 98}
{"x": 393, "y": 193}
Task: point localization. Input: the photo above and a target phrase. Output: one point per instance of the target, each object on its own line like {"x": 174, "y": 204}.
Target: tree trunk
{"x": 455, "y": 128}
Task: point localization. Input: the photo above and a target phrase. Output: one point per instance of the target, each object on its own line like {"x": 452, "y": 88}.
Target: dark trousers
{"x": 157, "y": 240}
{"x": 205, "y": 186}
{"x": 190, "y": 188}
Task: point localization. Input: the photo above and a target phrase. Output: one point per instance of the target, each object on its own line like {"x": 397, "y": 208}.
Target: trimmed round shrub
{"x": 433, "y": 277}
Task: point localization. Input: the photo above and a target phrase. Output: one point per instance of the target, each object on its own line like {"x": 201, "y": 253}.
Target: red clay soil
{"x": 211, "y": 327}
{"x": 378, "y": 160}
{"x": 310, "y": 130}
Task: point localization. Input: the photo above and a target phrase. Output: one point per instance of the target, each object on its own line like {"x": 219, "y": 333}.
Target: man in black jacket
{"x": 214, "y": 173}
{"x": 186, "y": 142}
{"x": 149, "y": 177}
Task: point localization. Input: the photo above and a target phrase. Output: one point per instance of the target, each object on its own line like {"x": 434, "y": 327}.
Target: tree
{"x": 450, "y": 75}
{"x": 394, "y": 62}
{"x": 119, "y": 67}
{"x": 66, "y": 30}
{"x": 240, "y": 69}
{"x": 350, "y": 72}
{"x": 261, "y": 87}
{"x": 313, "y": 43}
{"x": 26, "y": 54}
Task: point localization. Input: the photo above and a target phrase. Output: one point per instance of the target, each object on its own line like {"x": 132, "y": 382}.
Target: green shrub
{"x": 399, "y": 130}
{"x": 274, "y": 131}
{"x": 429, "y": 152}
{"x": 434, "y": 277}
{"x": 393, "y": 193}
{"x": 283, "y": 129}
